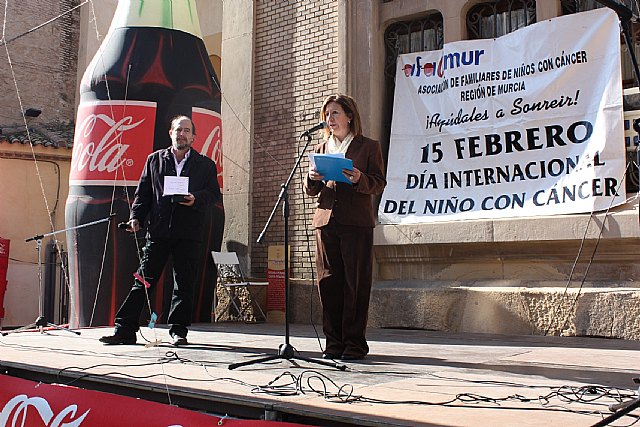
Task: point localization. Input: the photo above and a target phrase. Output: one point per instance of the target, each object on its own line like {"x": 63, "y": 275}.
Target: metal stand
{"x": 621, "y": 409}
{"x": 40, "y": 322}
{"x": 286, "y": 350}
{"x": 624, "y": 15}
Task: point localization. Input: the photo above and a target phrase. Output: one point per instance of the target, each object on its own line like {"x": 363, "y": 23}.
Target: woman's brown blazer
{"x": 350, "y": 204}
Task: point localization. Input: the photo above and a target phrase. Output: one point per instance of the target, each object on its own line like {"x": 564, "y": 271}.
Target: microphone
{"x": 319, "y": 126}
{"x": 621, "y": 405}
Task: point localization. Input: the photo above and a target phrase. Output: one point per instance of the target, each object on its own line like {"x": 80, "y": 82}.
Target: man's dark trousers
{"x": 185, "y": 268}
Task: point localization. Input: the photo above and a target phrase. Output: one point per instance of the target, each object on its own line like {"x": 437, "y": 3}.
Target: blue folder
{"x": 331, "y": 165}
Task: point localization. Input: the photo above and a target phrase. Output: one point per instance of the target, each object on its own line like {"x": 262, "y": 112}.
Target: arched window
{"x": 497, "y": 18}
{"x": 405, "y": 37}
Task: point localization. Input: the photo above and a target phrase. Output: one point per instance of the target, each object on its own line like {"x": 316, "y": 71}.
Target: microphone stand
{"x": 621, "y": 409}
{"x": 624, "y": 15}
{"x": 286, "y": 350}
{"x": 40, "y": 321}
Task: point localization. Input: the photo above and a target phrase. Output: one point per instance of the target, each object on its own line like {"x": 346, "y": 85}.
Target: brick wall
{"x": 296, "y": 56}
{"x": 44, "y": 60}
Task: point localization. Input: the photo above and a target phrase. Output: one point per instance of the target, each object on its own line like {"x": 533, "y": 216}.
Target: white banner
{"x": 527, "y": 124}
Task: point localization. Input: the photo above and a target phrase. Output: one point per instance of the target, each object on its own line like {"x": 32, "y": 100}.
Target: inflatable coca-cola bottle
{"x": 152, "y": 66}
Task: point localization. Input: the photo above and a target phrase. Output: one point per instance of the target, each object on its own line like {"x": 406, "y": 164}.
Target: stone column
{"x": 237, "y": 120}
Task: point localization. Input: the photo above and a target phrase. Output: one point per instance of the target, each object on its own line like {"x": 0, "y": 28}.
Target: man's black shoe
{"x": 330, "y": 356}
{"x": 177, "y": 340}
{"x": 351, "y": 357}
{"x": 116, "y": 339}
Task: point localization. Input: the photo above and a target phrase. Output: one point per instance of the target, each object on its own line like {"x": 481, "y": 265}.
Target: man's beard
{"x": 181, "y": 145}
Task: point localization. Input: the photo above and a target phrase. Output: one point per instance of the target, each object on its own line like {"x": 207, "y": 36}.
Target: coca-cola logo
{"x": 112, "y": 141}
{"x": 108, "y": 153}
{"x": 27, "y": 403}
{"x": 212, "y": 147}
{"x": 209, "y": 123}
{"x": 17, "y": 409}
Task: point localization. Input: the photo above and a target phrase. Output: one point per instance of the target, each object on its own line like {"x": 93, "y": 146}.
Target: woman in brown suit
{"x": 344, "y": 221}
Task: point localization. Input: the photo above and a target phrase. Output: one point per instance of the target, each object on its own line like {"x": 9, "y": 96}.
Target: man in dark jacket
{"x": 174, "y": 228}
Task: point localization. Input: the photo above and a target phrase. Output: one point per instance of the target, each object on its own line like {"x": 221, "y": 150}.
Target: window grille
{"x": 574, "y": 6}
{"x": 494, "y": 19}
{"x": 405, "y": 37}
{"x": 411, "y": 36}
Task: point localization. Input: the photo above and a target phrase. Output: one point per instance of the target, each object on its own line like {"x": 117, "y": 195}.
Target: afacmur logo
{"x": 447, "y": 61}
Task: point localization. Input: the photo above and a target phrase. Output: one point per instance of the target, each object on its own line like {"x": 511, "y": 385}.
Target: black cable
{"x": 320, "y": 384}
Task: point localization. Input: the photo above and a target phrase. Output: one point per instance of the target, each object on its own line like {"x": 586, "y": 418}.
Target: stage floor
{"x": 409, "y": 378}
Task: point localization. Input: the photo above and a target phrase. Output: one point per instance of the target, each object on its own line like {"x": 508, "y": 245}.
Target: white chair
{"x": 237, "y": 289}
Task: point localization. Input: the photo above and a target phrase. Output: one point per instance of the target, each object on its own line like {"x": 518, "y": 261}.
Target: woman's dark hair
{"x": 349, "y": 106}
